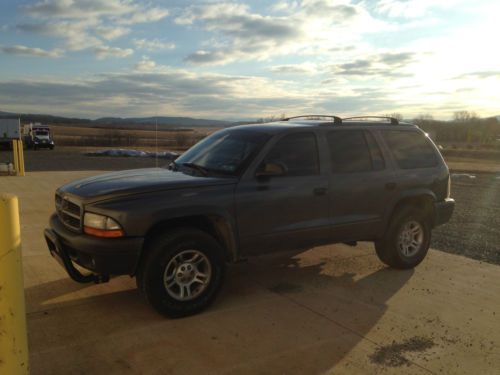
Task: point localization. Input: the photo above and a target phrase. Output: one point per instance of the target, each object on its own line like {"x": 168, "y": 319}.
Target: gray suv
{"x": 253, "y": 189}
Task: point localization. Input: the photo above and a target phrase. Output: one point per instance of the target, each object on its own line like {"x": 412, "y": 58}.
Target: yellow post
{"x": 13, "y": 336}
{"x": 20, "y": 151}
{"x": 16, "y": 156}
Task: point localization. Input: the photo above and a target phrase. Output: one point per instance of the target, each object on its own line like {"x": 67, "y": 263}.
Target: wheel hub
{"x": 187, "y": 275}
{"x": 411, "y": 238}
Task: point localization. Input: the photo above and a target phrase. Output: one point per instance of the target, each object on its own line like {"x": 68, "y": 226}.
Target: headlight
{"x": 101, "y": 226}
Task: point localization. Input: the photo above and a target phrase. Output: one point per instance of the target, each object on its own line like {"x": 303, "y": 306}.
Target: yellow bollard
{"x": 16, "y": 156}
{"x": 20, "y": 151}
{"x": 13, "y": 336}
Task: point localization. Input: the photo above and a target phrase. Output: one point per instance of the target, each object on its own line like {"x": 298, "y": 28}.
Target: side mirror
{"x": 270, "y": 169}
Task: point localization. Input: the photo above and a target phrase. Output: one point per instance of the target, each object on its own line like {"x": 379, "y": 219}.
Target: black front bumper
{"x": 101, "y": 256}
{"x": 43, "y": 145}
{"x": 443, "y": 210}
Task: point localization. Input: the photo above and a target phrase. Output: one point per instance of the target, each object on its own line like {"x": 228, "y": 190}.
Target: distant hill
{"x": 28, "y": 117}
{"x": 160, "y": 120}
{"x": 119, "y": 122}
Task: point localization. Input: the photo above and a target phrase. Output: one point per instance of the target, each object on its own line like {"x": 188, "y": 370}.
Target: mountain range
{"x": 127, "y": 122}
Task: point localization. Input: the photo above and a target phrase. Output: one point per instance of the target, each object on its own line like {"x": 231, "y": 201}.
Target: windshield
{"x": 225, "y": 152}
{"x": 42, "y": 134}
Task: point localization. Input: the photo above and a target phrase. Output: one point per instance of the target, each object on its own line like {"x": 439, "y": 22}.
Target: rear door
{"x": 289, "y": 211}
{"x": 419, "y": 166}
{"x": 361, "y": 184}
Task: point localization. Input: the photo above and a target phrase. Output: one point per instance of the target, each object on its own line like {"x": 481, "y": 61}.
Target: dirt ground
{"x": 333, "y": 309}
{"x": 72, "y": 159}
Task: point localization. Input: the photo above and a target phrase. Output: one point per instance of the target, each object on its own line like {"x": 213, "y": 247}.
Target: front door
{"x": 288, "y": 211}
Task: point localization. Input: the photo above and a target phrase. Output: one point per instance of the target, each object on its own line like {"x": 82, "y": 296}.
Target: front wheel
{"x": 182, "y": 272}
{"x": 407, "y": 239}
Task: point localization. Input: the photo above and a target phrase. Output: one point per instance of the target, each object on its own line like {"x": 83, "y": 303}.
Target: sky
{"x": 249, "y": 59}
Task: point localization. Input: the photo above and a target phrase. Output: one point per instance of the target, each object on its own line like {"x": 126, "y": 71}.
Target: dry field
{"x": 178, "y": 138}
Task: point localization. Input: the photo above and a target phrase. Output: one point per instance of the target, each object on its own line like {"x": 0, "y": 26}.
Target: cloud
{"x": 145, "y": 65}
{"x": 20, "y": 50}
{"x": 151, "y": 89}
{"x": 153, "y": 44}
{"x": 103, "y": 52}
{"x": 142, "y": 15}
{"x": 89, "y": 24}
{"x": 305, "y": 68}
{"x": 207, "y": 57}
{"x": 389, "y": 64}
{"x": 123, "y": 11}
{"x": 410, "y": 8}
{"x": 111, "y": 32}
{"x": 480, "y": 74}
{"x": 308, "y": 27}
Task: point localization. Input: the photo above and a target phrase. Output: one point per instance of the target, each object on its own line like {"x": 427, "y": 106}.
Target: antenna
{"x": 156, "y": 140}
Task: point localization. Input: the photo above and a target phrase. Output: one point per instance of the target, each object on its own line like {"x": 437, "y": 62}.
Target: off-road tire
{"x": 387, "y": 247}
{"x": 160, "y": 251}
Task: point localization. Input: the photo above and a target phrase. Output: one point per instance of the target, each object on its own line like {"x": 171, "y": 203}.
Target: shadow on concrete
{"x": 272, "y": 307}
{"x": 68, "y": 159}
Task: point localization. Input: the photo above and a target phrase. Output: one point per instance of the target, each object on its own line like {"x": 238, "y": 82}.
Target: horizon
{"x": 235, "y": 61}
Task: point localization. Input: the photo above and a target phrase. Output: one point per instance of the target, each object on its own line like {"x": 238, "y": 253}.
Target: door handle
{"x": 320, "y": 191}
{"x": 390, "y": 186}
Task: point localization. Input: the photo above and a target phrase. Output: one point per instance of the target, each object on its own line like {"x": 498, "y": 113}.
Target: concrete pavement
{"x": 333, "y": 309}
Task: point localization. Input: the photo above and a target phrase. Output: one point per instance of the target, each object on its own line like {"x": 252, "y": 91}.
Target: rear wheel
{"x": 182, "y": 272}
{"x": 407, "y": 239}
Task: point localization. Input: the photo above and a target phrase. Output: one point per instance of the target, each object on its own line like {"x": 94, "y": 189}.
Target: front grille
{"x": 69, "y": 212}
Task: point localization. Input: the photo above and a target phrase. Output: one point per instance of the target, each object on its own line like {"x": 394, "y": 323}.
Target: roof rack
{"x": 394, "y": 121}
{"x": 336, "y": 120}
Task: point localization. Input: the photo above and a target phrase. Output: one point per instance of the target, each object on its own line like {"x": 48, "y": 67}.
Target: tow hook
{"x": 100, "y": 279}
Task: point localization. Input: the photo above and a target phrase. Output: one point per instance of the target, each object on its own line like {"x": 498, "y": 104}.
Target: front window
{"x": 42, "y": 134}
{"x": 226, "y": 152}
{"x": 298, "y": 152}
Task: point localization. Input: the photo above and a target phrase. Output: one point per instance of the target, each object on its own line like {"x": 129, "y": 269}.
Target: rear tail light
{"x": 448, "y": 189}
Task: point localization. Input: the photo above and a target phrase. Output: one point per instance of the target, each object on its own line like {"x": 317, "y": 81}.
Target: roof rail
{"x": 394, "y": 121}
{"x": 336, "y": 120}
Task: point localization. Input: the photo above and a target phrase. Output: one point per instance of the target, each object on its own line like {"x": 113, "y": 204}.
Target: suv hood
{"x": 137, "y": 181}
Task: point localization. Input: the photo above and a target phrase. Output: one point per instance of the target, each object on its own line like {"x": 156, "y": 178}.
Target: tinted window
{"x": 298, "y": 152}
{"x": 410, "y": 149}
{"x": 226, "y": 151}
{"x": 354, "y": 151}
{"x": 378, "y": 162}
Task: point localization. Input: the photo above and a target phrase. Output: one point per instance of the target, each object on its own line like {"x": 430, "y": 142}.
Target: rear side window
{"x": 354, "y": 151}
{"x": 410, "y": 149}
{"x": 299, "y": 152}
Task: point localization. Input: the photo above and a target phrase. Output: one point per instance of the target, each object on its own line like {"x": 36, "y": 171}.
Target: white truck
{"x": 10, "y": 129}
{"x": 37, "y": 136}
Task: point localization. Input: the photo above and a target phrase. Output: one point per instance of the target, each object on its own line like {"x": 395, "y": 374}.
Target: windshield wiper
{"x": 197, "y": 167}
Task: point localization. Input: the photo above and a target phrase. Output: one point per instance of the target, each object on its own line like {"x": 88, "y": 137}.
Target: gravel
{"x": 474, "y": 229}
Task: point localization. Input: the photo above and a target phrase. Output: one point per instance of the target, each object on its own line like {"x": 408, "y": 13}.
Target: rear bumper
{"x": 443, "y": 210}
{"x": 102, "y": 256}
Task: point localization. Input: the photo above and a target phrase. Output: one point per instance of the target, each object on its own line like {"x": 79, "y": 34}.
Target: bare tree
{"x": 464, "y": 116}
{"x": 424, "y": 119}
{"x": 396, "y": 115}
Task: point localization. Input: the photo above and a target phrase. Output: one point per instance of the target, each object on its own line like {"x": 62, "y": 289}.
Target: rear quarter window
{"x": 410, "y": 149}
